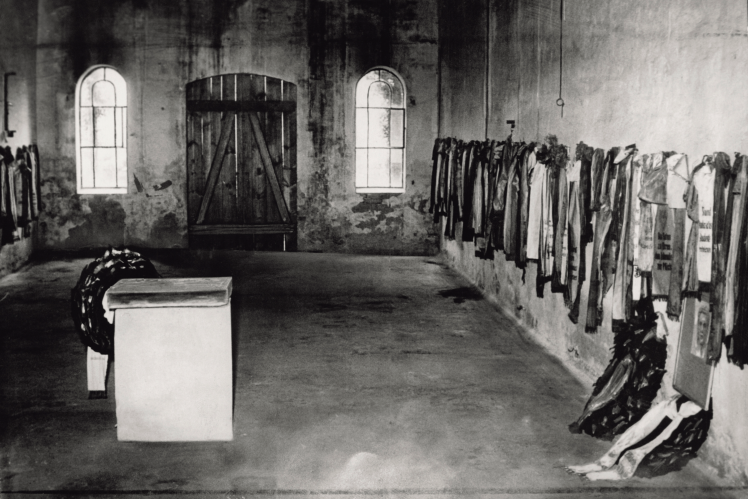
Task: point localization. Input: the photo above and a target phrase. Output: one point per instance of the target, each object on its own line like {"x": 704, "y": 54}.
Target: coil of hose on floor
{"x": 87, "y": 295}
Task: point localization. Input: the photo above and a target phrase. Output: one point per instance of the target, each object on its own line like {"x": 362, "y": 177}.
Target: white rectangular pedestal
{"x": 173, "y": 373}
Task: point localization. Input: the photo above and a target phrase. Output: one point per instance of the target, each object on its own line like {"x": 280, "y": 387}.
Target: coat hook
{"x": 7, "y": 104}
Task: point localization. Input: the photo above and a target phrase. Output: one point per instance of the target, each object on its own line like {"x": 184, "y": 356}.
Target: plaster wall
{"x": 665, "y": 75}
{"x": 322, "y": 46}
{"x": 18, "y": 55}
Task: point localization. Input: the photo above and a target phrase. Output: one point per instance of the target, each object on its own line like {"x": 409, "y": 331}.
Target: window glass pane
{"x": 379, "y": 168}
{"x": 103, "y": 94}
{"x": 362, "y": 89}
{"x": 361, "y": 169}
{"x": 380, "y": 95}
{"x": 397, "y": 128}
{"x": 86, "y": 127}
{"x": 87, "y": 168}
{"x": 120, "y": 88}
{"x": 121, "y": 167}
{"x": 362, "y": 127}
{"x": 124, "y": 127}
{"x": 104, "y": 126}
{"x": 105, "y": 165}
{"x": 87, "y": 86}
{"x": 396, "y": 168}
{"x": 118, "y": 137}
{"x": 396, "y": 86}
{"x": 379, "y": 127}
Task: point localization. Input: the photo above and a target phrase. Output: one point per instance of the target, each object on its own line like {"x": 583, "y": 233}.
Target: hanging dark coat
{"x": 724, "y": 182}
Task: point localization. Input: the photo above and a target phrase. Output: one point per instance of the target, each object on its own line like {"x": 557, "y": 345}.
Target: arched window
{"x": 380, "y": 132}
{"x": 101, "y": 132}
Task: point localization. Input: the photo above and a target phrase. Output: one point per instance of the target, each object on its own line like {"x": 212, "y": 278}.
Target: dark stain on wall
{"x": 379, "y": 214}
{"x": 91, "y": 42}
{"x": 165, "y": 232}
{"x": 104, "y": 226}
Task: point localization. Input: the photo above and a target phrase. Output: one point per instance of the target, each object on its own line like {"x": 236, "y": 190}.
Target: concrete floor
{"x": 355, "y": 376}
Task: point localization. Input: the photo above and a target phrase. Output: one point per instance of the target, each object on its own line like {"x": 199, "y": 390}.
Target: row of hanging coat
{"x": 658, "y": 227}
{"x": 20, "y": 192}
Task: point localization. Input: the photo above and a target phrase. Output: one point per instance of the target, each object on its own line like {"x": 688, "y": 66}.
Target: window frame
{"x": 78, "y": 161}
{"x": 356, "y": 107}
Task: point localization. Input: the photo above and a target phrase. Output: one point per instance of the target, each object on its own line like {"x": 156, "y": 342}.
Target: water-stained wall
{"x": 18, "y": 55}
{"x": 666, "y": 75}
{"x": 322, "y": 46}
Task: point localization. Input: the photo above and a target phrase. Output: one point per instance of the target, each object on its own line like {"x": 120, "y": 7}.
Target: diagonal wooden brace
{"x": 269, "y": 169}
{"x": 227, "y": 125}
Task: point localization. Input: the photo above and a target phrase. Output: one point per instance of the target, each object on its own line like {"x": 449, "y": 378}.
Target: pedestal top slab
{"x": 179, "y": 292}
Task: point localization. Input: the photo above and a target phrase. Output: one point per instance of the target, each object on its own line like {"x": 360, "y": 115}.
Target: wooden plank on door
{"x": 269, "y": 168}
{"x": 289, "y": 147}
{"x": 243, "y": 152}
{"x": 195, "y": 174}
{"x": 273, "y": 128}
{"x": 227, "y": 181}
{"x": 260, "y": 191}
{"x": 216, "y": 212}
{"x": 206, "y": 135}
{"x": 227, "y": 128}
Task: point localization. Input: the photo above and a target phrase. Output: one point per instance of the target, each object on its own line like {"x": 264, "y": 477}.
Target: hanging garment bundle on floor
{"x": 663, "y": 440}
{"x": 87, "y": 295}
{"x": 627, "y": 387}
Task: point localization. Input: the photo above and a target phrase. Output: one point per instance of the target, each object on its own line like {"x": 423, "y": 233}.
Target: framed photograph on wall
{"x": 693, "y": 373}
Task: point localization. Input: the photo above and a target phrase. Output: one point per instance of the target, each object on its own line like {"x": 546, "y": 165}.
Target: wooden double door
{"x": 241, "y": 161}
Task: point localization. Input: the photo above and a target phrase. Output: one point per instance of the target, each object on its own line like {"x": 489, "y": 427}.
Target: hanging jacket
{"x": 511, "y": 205}
{"x": 459, "y": 179}
{"x": 608, "y": 258}
{"x": 584, "y": 154}
{"x": 618, "y": 239}
{"x": 499, "y": 200}
{"x": 436, "y": 160}
{"x": 498, "y": 197}
{"x": 527, "y": 156}
{"x": 690, "y": 283}
{"x": 574, "y": 232}
{"x": 677, "y": 186}
{"x": 10, "y": 233}
{"x": 5, "y": 222}
{"x": 535, "y": 210}
{"x": 468, "y": 231}
{"x": 663, "y": 255}
{"x": 578, "y": 247}
{"x": 723, "y": 183}
{"x": 491, "y": 172}
{"x": 652, "y": 193}
{"x": 477, "y": 211}
{"x": 33, "y": 195}
{"x": 23, "y": 192}
{"x": 37, "y": 167}
{"x": 603, "y": 223}
{"x": 548, "y": 206}
{"x": 449, "y": 195}
{"x": 635, "y": 281}
{"x": 597, "y": 169}
{"x": 561, "y": 234}
{"x": 704, "y": 180}
{"x": 654, "y": 180}
{"x": 738, "y": 351}
{"x": 740, "y": 171}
